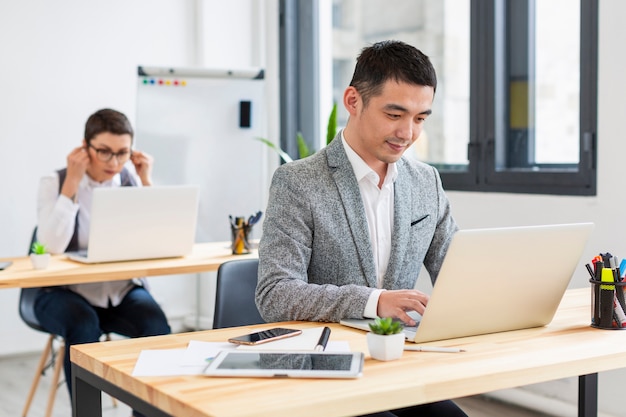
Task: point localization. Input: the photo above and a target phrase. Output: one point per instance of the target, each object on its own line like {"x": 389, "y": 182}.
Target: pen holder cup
{"x": 239, "y": 242}
{"x": 608, "y": 305}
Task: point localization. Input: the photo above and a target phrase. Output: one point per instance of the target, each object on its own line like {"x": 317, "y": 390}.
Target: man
{"x": 347, "y": 230}
{"x": 81, "y": 313}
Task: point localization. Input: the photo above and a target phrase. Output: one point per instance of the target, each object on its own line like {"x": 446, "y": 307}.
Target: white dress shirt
{"x": 56, "y": 215}
{"x": 379, "y": 204}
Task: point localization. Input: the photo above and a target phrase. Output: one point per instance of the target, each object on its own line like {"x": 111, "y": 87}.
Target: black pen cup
{"x": 239, "y": 241}
{"x": 608, "y": 305}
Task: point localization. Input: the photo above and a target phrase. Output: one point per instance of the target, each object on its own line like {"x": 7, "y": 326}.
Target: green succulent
{"x": 38, "y": 248}
{"x": 386, "y": 326}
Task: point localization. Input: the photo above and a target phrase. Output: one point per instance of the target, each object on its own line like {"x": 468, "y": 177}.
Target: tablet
{"x": 286, "y": 364}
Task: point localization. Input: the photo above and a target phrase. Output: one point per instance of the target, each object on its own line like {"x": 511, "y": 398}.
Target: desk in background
{"x": 62, "y": 271}
{"x": 566, "y": 347}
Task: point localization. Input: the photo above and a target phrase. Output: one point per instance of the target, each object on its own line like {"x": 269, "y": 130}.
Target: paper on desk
{"x": 169, "y": 362}
{"x": 193, "y": 359}
{"x": 200, "y": 353}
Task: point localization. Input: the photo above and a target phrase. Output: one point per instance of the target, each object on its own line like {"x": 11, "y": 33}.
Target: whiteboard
{"x": 189, "y": 121}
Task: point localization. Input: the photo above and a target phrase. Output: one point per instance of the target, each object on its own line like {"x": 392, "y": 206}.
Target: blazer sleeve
{"x": 295, "y": 223}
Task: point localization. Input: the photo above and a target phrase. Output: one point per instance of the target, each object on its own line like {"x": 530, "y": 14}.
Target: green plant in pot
{"x": 39, "y": 255}
{"x": 385, "y": 340}
{"x": 303, "y": 149}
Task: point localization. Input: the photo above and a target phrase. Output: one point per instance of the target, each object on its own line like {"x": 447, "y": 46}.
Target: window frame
{"x": 487, "y": 96}
{"x": 488, "y": 101}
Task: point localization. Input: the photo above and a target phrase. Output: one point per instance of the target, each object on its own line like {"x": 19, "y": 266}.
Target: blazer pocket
{"x": 414, "y": 222}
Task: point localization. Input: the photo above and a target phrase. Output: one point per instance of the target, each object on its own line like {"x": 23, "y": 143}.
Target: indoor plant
{"x": 386, "y": 339}
{"x": 39, "y": 256}
{"x": 303, "y": 149}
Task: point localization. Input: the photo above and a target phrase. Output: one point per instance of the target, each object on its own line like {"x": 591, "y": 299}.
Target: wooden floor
{"x": 16, "y": 374}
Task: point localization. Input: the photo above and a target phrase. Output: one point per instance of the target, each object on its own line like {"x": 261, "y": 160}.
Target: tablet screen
{"x": 292, "y": 361}
{"x": 291, "y": 364}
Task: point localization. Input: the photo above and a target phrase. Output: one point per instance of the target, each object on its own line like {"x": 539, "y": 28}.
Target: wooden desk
{"x": 567, "y": 347}
{"x": 62, "y": 271}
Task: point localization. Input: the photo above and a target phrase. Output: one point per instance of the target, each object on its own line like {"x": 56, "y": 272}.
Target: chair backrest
{"x": 27, "y": 299}
{"x": 234, "y": 297}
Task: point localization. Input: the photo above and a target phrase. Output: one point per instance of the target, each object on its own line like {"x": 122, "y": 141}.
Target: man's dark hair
{"x": 391, "y": 60}
{"x": 107, "y": 120}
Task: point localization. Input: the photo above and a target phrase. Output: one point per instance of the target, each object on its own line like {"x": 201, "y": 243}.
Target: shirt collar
{"x": 91, "y": 183}
{"x": 362, "y": 170}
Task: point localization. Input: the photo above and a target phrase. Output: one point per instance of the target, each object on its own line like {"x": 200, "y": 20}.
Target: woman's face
{"x": 108, "y": 153}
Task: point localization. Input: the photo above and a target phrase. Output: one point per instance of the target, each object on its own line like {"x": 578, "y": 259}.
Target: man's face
{"x": 390, "y": 123}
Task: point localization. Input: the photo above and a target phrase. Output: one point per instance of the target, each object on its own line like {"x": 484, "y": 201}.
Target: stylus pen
{"x": 321, "y": 344}
{"x": 433, "y": 349}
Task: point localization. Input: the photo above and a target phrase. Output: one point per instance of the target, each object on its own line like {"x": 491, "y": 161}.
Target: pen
{"x": 321, "y": 344}
{"x": 619, "y": 290}
{"x": 433, "y": 349}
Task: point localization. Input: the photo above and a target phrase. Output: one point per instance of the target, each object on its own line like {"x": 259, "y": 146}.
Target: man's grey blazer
{"x": 315, "y": 255}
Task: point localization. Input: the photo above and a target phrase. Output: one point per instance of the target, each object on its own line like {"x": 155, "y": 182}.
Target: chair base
{"x": 51, "y": 357}
{"x": 47, "y": 354}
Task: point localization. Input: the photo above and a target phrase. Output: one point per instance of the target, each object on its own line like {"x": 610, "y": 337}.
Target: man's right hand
{"x": 77, "y": 164}
{"x": 395, "y": 303}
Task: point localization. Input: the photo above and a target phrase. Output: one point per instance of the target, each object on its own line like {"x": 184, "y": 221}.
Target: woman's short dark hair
{"x": 391, "y": 60}
{"x": 107, "y": 120}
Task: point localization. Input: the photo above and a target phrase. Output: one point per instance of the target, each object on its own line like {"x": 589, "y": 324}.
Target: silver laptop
{"x": 501, "y": 279}
{"x": 132, "y": 223}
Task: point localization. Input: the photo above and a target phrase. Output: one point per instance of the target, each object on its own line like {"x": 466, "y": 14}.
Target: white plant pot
{"x": 385, "y": 347}
{"x": 40, "y": 261}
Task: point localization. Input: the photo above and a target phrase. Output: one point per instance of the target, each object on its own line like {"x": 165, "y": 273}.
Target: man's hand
{"x": 77, "y": 164}
{"x": 397, "y": 302}
{"x": 143, "y": 165}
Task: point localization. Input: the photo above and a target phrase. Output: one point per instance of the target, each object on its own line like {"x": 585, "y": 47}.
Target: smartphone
{"x": 5, "y": 265}
{"x": 264, "y": 336}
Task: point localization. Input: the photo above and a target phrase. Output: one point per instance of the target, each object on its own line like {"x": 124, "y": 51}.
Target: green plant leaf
{"x": 38, "y": 248}
{"x": 386, "y": 326}
{"x": 285, "y": 157}
{"x": 303, "y": 149}
{"x": 331, "y": 130}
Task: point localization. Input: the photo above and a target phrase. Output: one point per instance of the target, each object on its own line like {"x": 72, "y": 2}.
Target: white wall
{"x": 63, "y": 60}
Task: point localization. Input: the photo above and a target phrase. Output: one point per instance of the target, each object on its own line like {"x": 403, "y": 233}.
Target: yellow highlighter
{"x": 607, "y": 293}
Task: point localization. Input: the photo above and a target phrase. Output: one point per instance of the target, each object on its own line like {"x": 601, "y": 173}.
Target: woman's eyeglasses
{"x": 105, "y": 155}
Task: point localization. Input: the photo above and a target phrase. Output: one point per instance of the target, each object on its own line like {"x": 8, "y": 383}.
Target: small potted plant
{"x": 39, "y": 256}
{"x": 386, "y": 339}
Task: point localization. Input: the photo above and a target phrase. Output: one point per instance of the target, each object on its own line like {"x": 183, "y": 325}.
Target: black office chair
{"x": 234, "y": 296}
{"x": 51, "y": 356}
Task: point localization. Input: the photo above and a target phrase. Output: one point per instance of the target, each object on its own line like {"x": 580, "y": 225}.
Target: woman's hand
{"x": 143, "y": 165}
{"x": 77, "y": 164}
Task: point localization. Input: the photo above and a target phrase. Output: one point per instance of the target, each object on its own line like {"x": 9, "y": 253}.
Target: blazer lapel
{"x": 401, "y": 227}
{"x": 350, "y": 195}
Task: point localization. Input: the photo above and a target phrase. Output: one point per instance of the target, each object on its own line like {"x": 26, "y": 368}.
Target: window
{"x": 515, "y": 108}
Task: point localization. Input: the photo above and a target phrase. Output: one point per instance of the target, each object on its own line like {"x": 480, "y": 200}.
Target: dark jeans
{"x": 438, "y": 409}
{"x": 69, "y": 315}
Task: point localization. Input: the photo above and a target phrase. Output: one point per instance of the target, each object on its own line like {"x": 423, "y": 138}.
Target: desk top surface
{"x": 62, "y": 271}
{"x": 567, "y": 347}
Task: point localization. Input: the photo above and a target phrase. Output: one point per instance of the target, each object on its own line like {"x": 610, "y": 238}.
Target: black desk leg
{"x": 86, "y": 399}
{"x": 588, "y": 395}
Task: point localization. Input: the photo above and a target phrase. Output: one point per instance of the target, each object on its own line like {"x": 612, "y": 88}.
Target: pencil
{"x": 433, "y": 349}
